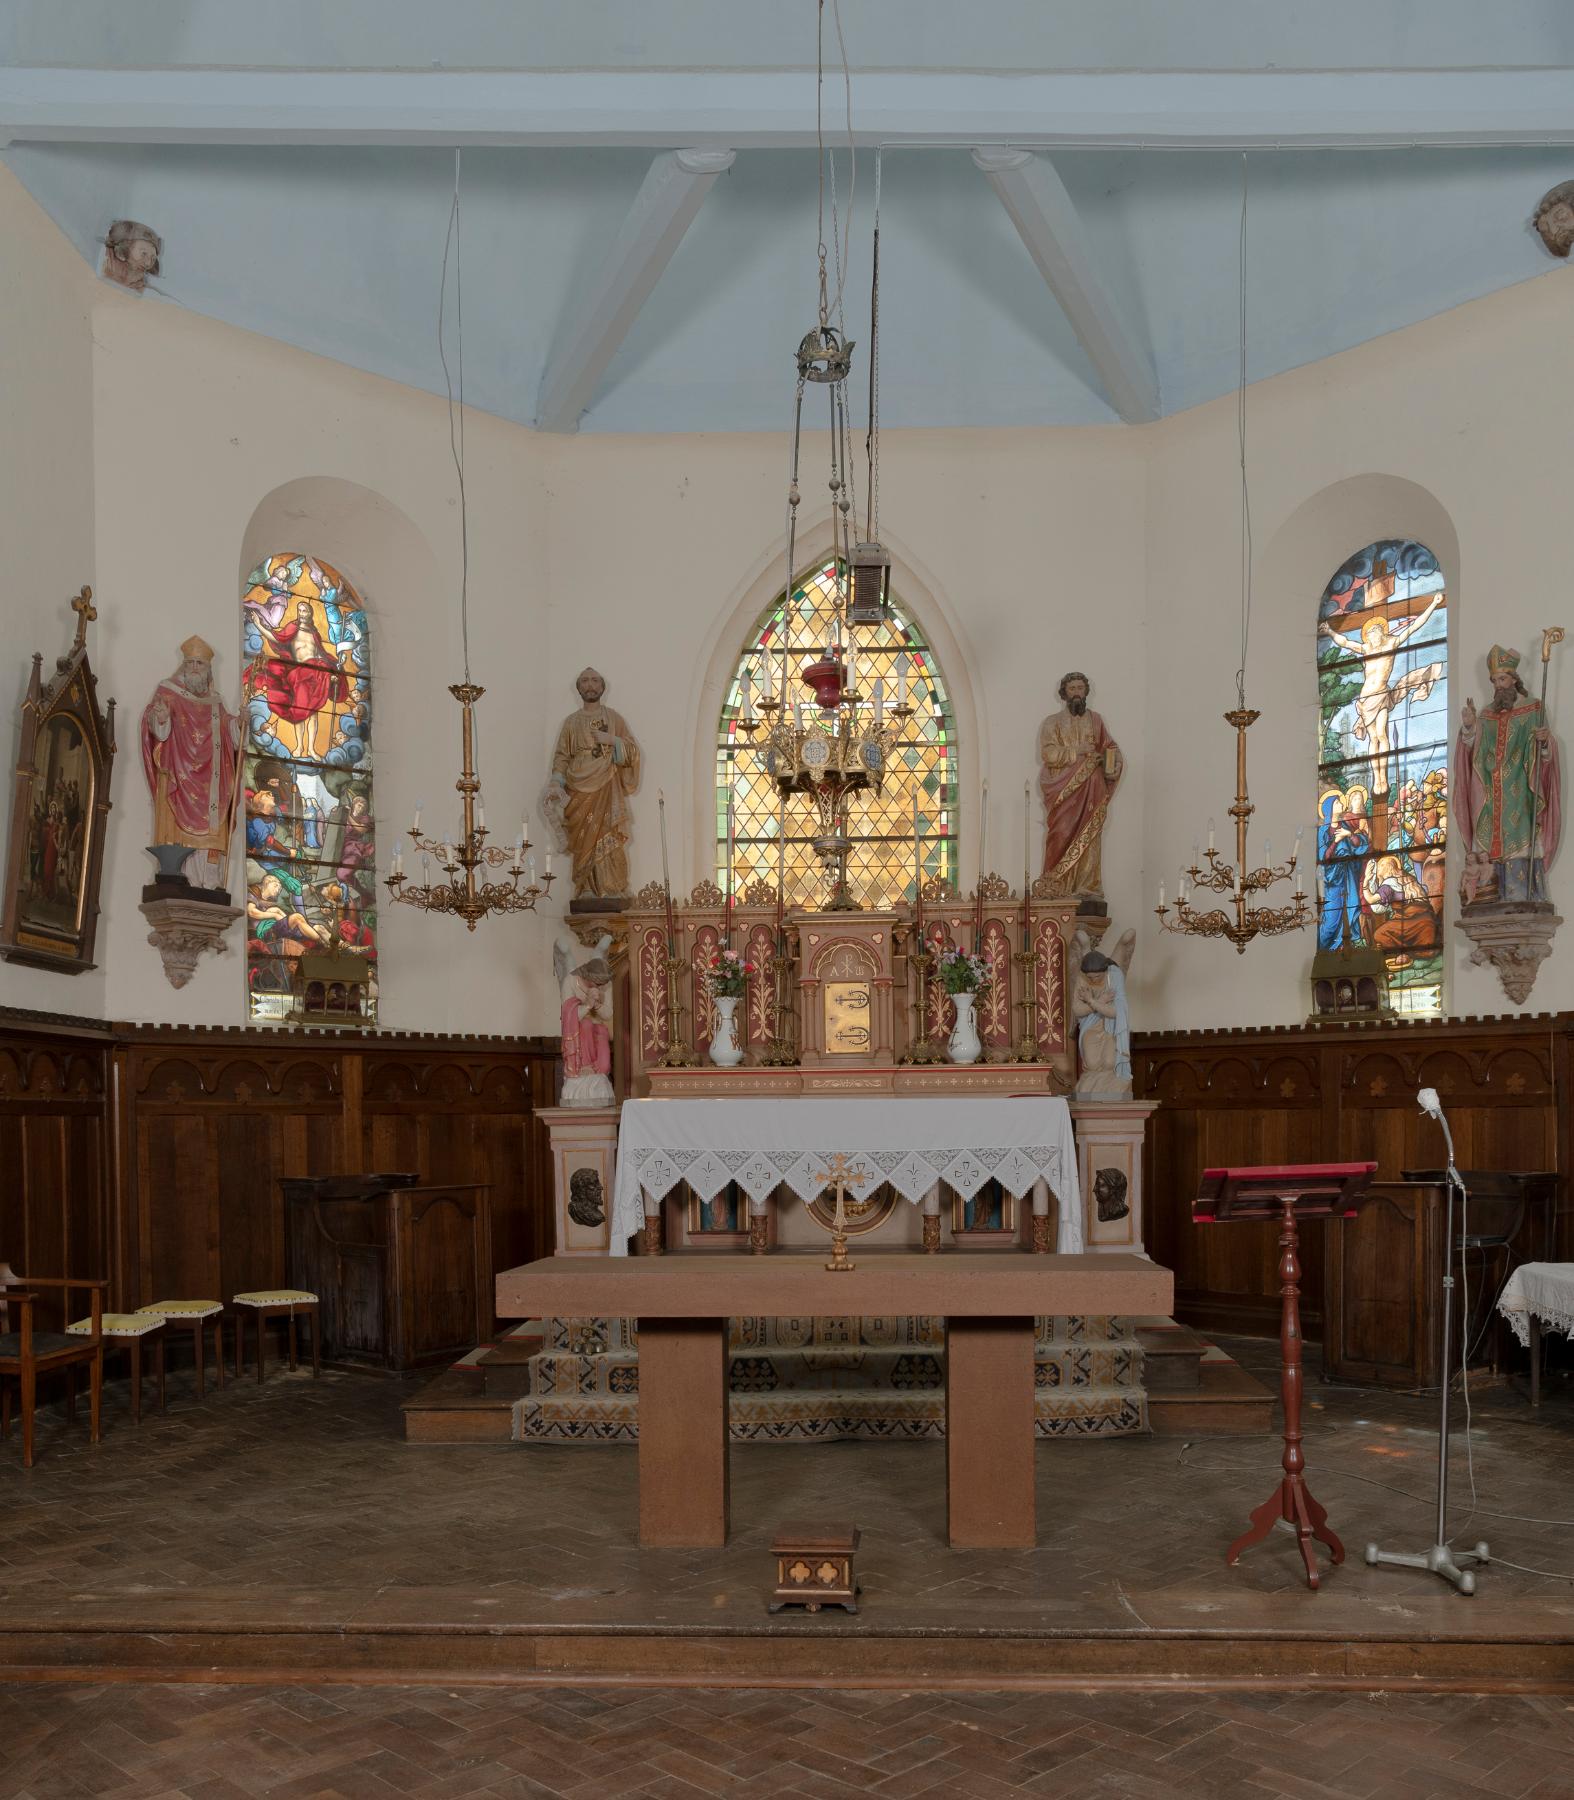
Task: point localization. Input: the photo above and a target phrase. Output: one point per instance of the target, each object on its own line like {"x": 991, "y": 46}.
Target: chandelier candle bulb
{"x": 879, "y": 699}
{"x": 1210, "y": 834}
{"x": 901, "y": 679}
{"x": 415, "y": 823}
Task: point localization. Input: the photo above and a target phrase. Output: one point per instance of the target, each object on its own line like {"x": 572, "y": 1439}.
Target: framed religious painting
{"x": 59, "y": 812}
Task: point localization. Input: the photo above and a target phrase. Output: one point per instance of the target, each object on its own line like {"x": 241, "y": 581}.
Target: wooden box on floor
{"x": 814, "y": 1566}
{"x": 403, "y": 1273}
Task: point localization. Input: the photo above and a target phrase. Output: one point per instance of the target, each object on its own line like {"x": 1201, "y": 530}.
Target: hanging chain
{"x": 456, "y": 440}
{"x": 1246, "y": 500}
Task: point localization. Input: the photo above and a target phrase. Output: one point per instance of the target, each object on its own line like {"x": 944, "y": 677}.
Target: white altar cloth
{"x": 1543, "y": 1288}
{"x": 914, "y": 1144}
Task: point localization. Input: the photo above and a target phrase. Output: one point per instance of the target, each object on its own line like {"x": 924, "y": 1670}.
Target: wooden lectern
{"x": 1290, "y": 1194}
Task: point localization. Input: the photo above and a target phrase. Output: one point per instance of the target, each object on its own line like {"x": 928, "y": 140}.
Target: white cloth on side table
{"x": 911, "y": 1143}
{"x": 1543, "y": 1288}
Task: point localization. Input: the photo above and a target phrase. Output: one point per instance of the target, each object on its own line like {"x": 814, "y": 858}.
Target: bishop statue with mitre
{"x": 1507, "y": 796}
{"x": 190, "y": 755}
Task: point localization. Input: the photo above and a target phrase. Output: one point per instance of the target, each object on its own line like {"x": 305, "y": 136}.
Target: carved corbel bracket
{"x": 183, "y": 929}
{"x": 1515, "y": 938}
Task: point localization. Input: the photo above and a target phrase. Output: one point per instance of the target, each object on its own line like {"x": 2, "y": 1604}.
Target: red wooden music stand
{"x": 1301, "y": 1191}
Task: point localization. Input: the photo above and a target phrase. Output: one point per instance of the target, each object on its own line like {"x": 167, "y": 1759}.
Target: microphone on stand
{"x": 1439, "y": 1560}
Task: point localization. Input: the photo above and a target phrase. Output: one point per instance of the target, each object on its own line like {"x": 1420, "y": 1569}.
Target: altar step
{"x": 474, "y": 1401}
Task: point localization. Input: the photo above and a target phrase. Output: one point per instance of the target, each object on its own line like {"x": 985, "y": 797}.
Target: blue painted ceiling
{"x": 337, "y": 249}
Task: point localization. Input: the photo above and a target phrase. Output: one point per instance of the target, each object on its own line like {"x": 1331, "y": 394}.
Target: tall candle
{"x": 1027, "y": 858}
{"x": 978, "y": 892}
{"x": 918, "y": 877}
{"x": 666, "y": 878}
{"x": 781, "y": 862}
{"x": 726, "y": 921}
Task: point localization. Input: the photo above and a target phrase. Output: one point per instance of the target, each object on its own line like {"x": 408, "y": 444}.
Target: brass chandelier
{"x": 1240, "y": 920}
{"x": 467, "y": 892}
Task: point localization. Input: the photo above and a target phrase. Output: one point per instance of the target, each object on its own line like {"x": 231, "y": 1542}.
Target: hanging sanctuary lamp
{"x": 465, "y": 889}
{"x": 1244, "y": 914}
{"x": 834, "y": 741}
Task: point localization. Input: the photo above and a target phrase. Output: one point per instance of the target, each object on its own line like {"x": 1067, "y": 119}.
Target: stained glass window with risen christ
{"x": 1382, "y": 766}
{"x": 922, "y": 768}
{"x": 311, "y": 863}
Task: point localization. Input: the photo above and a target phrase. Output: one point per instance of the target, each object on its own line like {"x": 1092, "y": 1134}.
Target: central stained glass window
{"x": 923, "y": 762}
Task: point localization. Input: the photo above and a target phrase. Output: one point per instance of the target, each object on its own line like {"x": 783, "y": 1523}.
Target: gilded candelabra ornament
{"x": 781, "y": 1052}
{"x": 922, "y": 1048}
{"x": 467, "y": 892}
{"x": 838, "y": 1171}
{"x": 1026, "y": 1047}
{"x": 1240, "y": 921}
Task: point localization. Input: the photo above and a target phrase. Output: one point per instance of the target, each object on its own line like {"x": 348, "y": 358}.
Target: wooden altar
{"x": 841, "y": 1010}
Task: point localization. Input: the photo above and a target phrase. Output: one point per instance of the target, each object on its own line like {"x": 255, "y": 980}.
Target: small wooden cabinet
{"x": 403, "y": 1272}
{"x": 1382, "y": 1270}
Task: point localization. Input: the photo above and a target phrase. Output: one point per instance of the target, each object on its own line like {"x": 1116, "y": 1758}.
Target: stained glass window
{"x": 922, "y": 763}
{"x": 1382, "y": 766}
{"x": 311, "y": 864}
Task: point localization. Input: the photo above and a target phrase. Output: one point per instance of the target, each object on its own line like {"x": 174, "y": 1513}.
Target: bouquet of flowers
{"x": 964, "y": 974}
{"x": 728, "y": 974}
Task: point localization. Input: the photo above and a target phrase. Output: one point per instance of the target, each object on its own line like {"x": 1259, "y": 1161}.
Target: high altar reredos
{"x": 817, "y": 974}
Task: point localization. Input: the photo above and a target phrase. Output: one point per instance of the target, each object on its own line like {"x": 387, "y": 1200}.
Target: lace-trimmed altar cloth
{"x": 911, "y": 1143}
{"x": 1543, "y": 1288}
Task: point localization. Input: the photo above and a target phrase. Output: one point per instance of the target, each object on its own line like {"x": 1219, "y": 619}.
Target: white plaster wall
{"x": 46, "y": 508}
{"x": 166, "y": 452}
{"x": 1455, "y": 431}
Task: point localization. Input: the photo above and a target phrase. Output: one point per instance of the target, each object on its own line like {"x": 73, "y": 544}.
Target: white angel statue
{"x": 1098, "y": 999}
{"x": 584, "y": 979}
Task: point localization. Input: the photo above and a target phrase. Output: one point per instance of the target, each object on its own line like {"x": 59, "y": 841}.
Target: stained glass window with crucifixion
{"x": 1382, "y": 767}
{"x": 922, "y": 768}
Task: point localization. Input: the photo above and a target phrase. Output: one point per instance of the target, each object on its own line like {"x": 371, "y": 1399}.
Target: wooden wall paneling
{"x": 1337, "y": 1093}
{"x": 213, "y": 1132}
{"x": 54, "y": 1196}
{"x": 1236, "y": 1107}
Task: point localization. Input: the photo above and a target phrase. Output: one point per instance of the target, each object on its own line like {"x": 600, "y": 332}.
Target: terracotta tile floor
{"x": 211, "y": 1743}
{"x": 302, "y": 1499}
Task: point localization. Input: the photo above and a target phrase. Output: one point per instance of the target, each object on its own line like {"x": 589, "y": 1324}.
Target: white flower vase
{"x": 965, "y": 1045}
{"x": 725, "y": 1050}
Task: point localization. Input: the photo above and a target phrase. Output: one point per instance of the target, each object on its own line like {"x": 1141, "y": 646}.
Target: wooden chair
{"x": 277, "y": 1303}
{"x": 27, "y": 1353}
{"x": 197, "y": 1317}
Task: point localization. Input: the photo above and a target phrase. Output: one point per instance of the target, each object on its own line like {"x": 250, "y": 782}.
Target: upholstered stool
{"x": 125, "y": 1331}
{"x": 195, "y": 1316}
{"x": 277, "y": 1303}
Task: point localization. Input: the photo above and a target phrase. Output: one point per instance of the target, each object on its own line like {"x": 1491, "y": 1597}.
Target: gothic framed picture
{"x": 59, "y": 812}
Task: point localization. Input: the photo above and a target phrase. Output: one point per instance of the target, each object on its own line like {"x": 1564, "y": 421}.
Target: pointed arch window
{"x": 311, "y": 859}
{"x": 923, "y": 763}
{"x": 1382, "y": 767}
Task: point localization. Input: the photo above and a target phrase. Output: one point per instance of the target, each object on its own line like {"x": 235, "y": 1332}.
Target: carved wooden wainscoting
{"x": 155, "y": 1155}
{"x": 56, "y": 1211}
{"x": 1318, "y": 1093}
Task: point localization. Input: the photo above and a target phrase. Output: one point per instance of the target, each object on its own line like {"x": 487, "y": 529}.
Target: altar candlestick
{"x": 781, "y": 867}
{"x": 978, "y": 892}
{"x": 666, "y": 878}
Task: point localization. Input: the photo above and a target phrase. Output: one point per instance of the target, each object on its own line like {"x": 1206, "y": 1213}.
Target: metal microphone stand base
{"x": 1439, "y": 1560}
